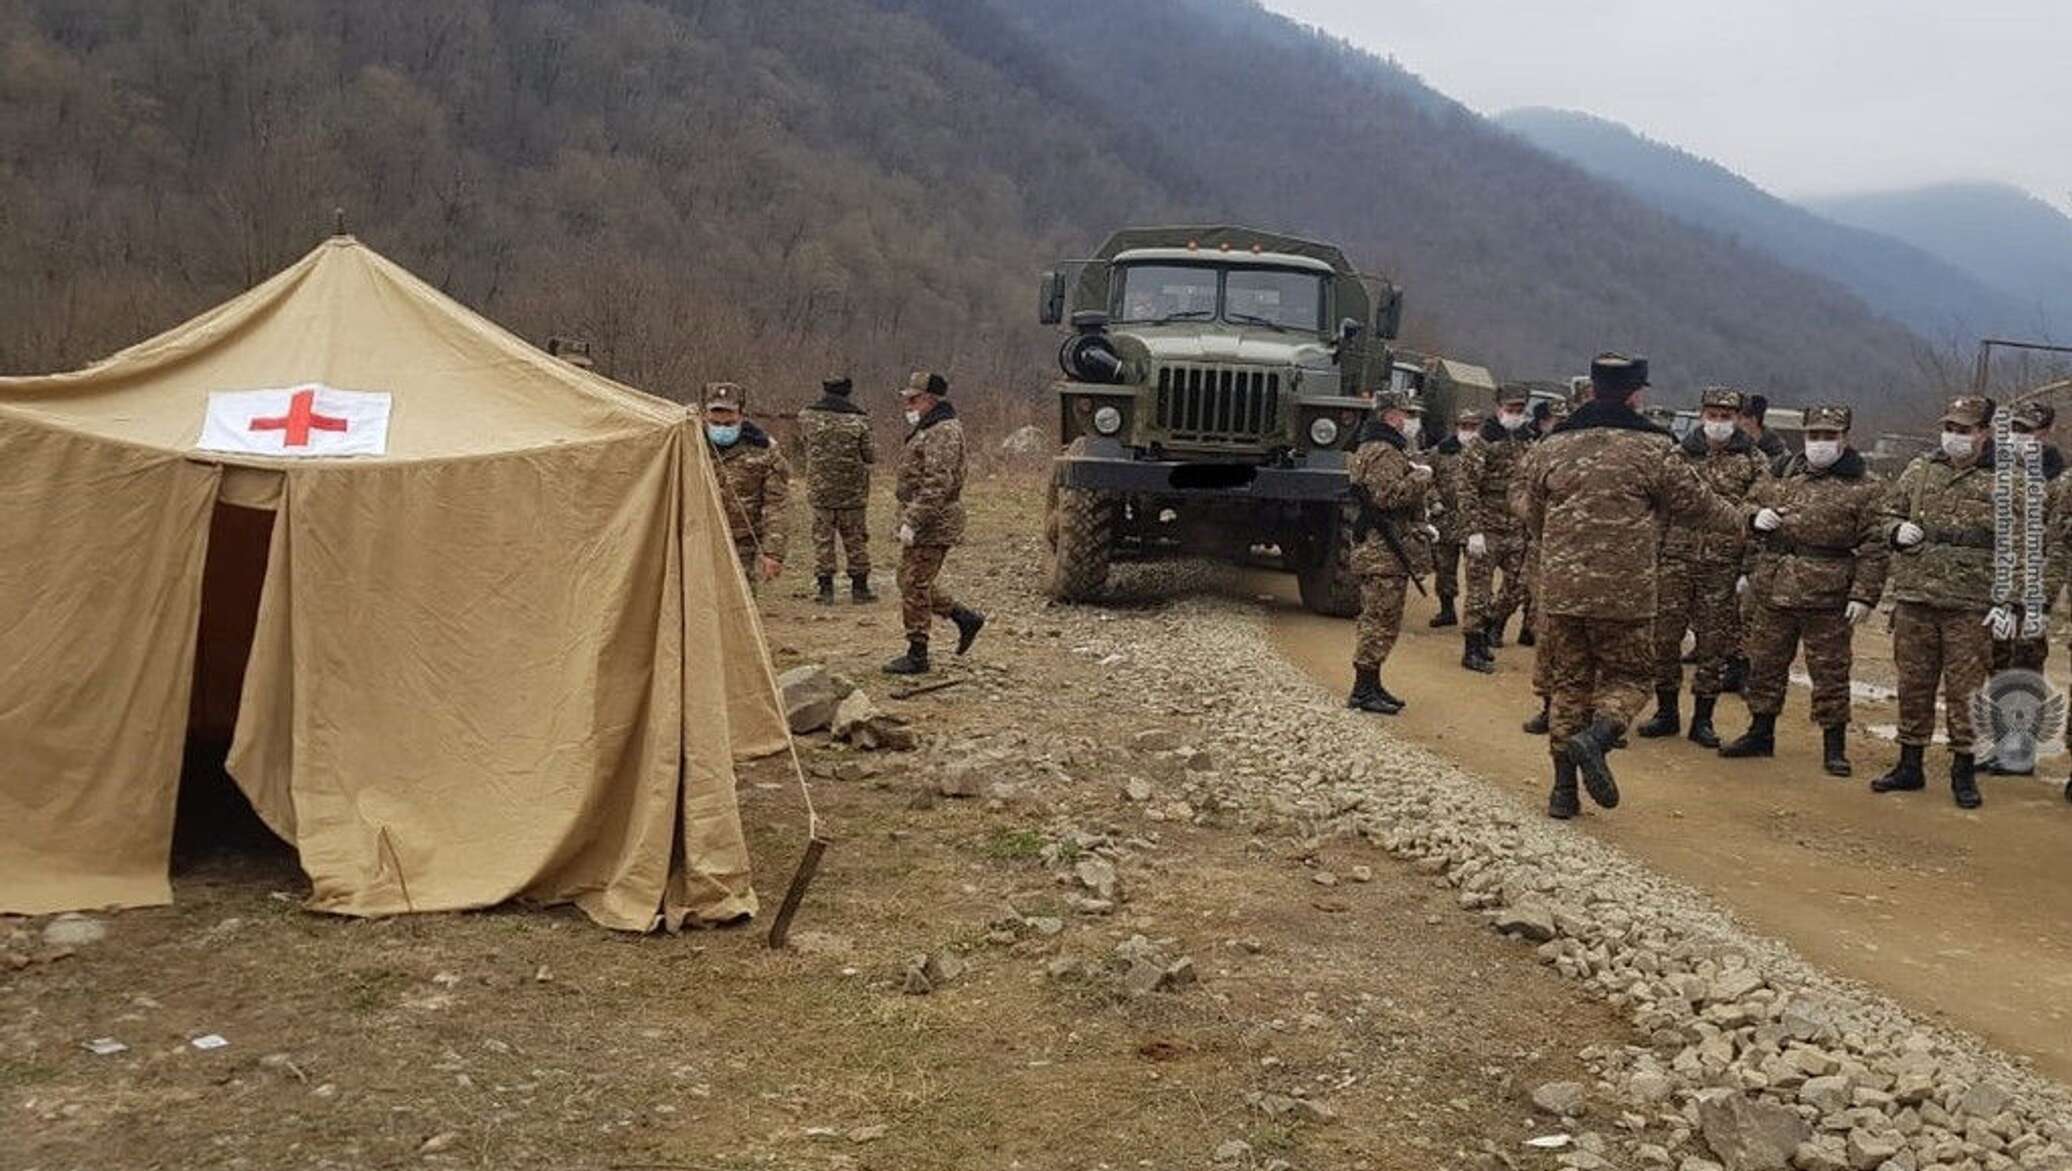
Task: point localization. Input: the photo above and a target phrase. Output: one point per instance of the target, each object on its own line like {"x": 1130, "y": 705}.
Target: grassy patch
{"x": 1013, "y": 845}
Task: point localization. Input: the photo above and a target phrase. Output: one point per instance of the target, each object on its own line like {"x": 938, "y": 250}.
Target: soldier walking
{"x": 1390, "y": 541}
{"x": 1606, "y": 484}
{"x": 1495, "y": 539}
{"x": 1446, "y": 513}
{"x": 836, "y": 439}
{"x": 929, "y": 486}
{"x": 1939, "y": 519}
{"x": 1698, "y": 571}
{"x": 755, "y": 481}
{"x": 1815, "y": 569}
{"x": 1555, "y": 413}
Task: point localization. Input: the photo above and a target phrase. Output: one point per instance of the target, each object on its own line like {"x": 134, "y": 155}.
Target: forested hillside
{"x": 767, "y": 191}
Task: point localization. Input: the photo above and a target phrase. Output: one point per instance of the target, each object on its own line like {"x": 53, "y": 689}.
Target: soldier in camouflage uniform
{"x": 929, "y": 486}
{"x": 2030, "y": 423}
{"x": 835, "y": 435}
{"x": 754, "y": 480}
{"x": 1554, "y": 414}
{"x": 1597, "y": 496}
{"x": 1814, "y": 569}
{"x": 1495, "y": 540}
{"x": 1390, "y": 491}
{"x": 1939, "y": 520}
{"x": 1698, "y": 571}
{"x": 1446, "y": 513}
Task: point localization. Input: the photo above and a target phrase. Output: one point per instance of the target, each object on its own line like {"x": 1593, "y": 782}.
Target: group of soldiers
{"x": 1615, "y": 538}
{"x": 836, "y": 445}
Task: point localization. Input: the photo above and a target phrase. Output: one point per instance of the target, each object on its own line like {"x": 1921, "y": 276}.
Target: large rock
{"x": 852, "y": 713}
{"x": 1527, "y": 918}
{"x": 1751, "y": 1134}
{"x": 1563, "y": 1099}
{"x": 1867, "y": 1149}
{"x": 811, "y": 696}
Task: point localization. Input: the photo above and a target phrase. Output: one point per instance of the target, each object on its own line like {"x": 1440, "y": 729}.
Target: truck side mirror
{"x": 1388, "y": 318}
{"x": 1050, "y": 301}
{"x": 1348, "y": 330}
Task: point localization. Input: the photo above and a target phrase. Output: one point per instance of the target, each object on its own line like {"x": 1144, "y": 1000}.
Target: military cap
{"x": 839, "y": 384}
{"x": 726, "y": 394}
{"x": 2035, "y": 414}
{"x": 1722, "y": 396}
{"x": 1558, "y": 408}
{"x": 1395, "y": 400}
{"x": 926, "y": 382}
{"x": 1972, "y": 410}
{"x": 1512, "y": 396}
{"x": 1827, "y": 417}
{"x": 1467, "y": 417}
{"x": 1614, "y": 375}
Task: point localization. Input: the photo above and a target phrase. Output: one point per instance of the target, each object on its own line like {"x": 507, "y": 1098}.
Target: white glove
{"x": 1478, "y": 547}
{"x": 1431, "y": 532}
{"x": 1741, "y": 585}
{"x": 1854, "y": 612}
{"x": 1908, "y": 534}
{"x": 906, "y": 534}
{"x": 1420, "y": 472}
{"x": 1768, "y": 520}
{"x": 2001, "y": 620}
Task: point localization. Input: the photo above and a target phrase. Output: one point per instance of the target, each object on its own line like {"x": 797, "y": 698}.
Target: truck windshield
{"x": 1199, "y": 292}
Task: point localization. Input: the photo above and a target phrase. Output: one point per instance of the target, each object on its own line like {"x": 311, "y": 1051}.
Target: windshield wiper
{"x": 1255, "y": 319}
{"x": 1183, "y": 315}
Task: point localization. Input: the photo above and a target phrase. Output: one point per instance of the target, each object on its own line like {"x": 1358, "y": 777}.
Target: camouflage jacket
{"x": 1730, "y": 469}
{"x": 1598, "y": 495}
{"x": 1953, "y": 567}
{"x": 835, "y": 440}
{"x": 1486, "y": 468}
{"x": 930, "y": 482}
{"x": 1444, "y": 498}
{"x": 1831, "y": 549}
{"x": 1382, "y": 468}
{"x": 755, "y": 486}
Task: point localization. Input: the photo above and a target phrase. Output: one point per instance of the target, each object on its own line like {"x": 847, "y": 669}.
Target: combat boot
{"x": 1526, "y": 636}
{"x": 860, "y": 592}
{"x": 913, "y": 662}
{"x": 1474, "y": 653}
{"x": 1964, "y": 781}
{"x": 1834, "y": 750}
{"x": 1905, "y": 776}
{"x": 1445, "y": 616}
{"x": 826, "y": 596}
{"x": 1586, "y": 750}
{"x": 969, "y": 623}
{"x": 1667, "y": 722}
{"x": 1367, "y": 695}
{"x": 1759, "y": 740}
{"x": 1493, "y": 634}
{"x": 1386, "y": 694}
{"x": 1734, "y": 675}
{"x": 1562, "y": 803}
{"x": 1701, "y": 732}
{"x": 1537, "y": 726}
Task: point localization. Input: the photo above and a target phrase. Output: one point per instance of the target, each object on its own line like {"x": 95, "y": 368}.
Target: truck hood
{"x": 1250, "y": 347}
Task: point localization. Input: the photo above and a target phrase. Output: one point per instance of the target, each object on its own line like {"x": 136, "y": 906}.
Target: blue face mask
{"x": 723, "y": 436}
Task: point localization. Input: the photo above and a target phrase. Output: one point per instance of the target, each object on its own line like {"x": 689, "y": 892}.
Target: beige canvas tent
{"x": 510, "y": 656}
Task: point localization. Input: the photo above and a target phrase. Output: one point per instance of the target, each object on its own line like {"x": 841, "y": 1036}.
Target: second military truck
{"x": 1214, "y": 381}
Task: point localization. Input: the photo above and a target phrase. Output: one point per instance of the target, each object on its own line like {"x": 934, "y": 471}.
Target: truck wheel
{"x": 1081, "y": 532}
{"x": 1328, "y": 584}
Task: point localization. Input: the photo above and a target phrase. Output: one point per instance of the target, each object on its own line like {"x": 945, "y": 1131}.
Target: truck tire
{"x": 1328, "y": 584}
{"x": 1081, "y": 532}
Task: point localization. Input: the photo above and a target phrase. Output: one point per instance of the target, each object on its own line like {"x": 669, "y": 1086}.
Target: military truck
{"x": 1445, "y": 385}
{"x": 1214, "y": 379}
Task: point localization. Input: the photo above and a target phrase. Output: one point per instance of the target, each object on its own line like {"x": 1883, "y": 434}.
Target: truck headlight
{"x": 1107, "y": 420}
{"x": 1323, "y": 432}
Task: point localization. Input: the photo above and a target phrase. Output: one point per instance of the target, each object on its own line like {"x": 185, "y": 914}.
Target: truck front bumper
{"x": 1109, "y": 467}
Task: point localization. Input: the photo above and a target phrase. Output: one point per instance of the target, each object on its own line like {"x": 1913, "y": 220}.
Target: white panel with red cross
{"x": 306, "y": 420}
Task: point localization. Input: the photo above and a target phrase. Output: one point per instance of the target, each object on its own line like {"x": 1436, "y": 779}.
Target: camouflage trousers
{"x": 1933, "y": 645}
{"x": 1446, "y": 557}
{"x": 919, "y": 595}
{"x": 1488, "y": 603}
{"x": 1531, "y": 607}
{"x": 1381, "y": 618}
{"x": 1774, "y": 637}
{"x": 1595, "y": 666}
{"x": 845, "y": 524}
{"x": 1700, "y": 598}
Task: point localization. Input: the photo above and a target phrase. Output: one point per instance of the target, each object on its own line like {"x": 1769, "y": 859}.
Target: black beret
{"x": 1616, "y": 375}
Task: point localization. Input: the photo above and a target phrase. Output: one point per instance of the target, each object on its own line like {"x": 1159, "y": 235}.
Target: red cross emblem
{"x": 301, "y": 418}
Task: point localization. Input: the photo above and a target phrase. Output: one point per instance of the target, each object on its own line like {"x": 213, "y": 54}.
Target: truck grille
{"x": 1218, "y": 404}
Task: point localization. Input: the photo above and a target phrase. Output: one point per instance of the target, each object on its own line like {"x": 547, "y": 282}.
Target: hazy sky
{"x": 1806, "y": 97}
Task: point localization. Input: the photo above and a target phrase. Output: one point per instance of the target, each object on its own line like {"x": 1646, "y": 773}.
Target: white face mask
{"x": 1718, "y": 431}
{"x": 1956, "y": 446}
{"x": 1822, "y": 453}
{"x": 1464, "y": 436}
{"x": 1510, "y": 420}
{"x": 913, "y": 418}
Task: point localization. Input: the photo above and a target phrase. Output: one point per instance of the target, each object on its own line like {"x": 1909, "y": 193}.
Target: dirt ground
{"x": 526, "y": 1037}
{"x": 1964, "y": 917}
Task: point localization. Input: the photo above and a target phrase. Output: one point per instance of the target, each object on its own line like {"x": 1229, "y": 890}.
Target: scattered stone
{"x": 1233, "y": 1151}
{"x": 867, "y": 1134}
{"x": 1649, "y": 1086}
{"x": 852, "y": 713}
{"x": 1156, "y": 740}
{"x": 917, "y": 982}
{"x": 1324, "y": 878}
{"x": 1868, "y": 1149}
{"x": 1362, "y": 874}
{"x": 438, "y": 1142}
{"x": 1984, "y": 1100}
{"x": 1137, "y": 789}
{"x": 1751, "y": 1134}
{"x": 73, "y": 929}
{"x": 964, "y": 779}
{"x": 810, "y": 697}
{"x": 1564, "y": 1099}
{"x": 1528, "y": 919}
{"x": 1826, "y": 1094}
{"x": 1097, "y": 875}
